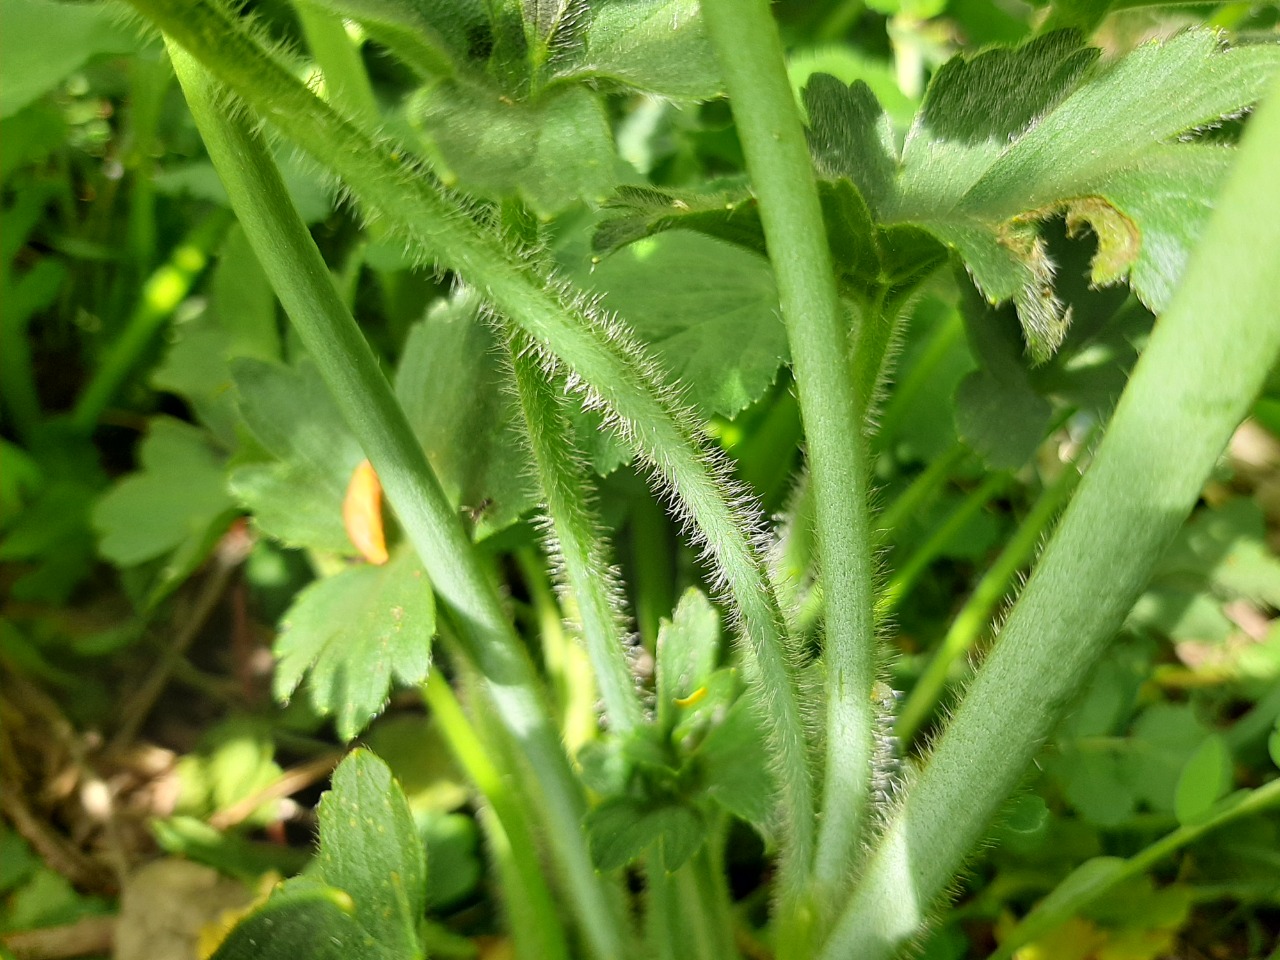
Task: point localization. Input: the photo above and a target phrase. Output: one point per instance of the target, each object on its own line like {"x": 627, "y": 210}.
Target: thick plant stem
{"x": 978, "y": 609}
{"x": 768, "y": 121}
{"x": 1193, "y": 384}
{"x": 588, "y": 576}
{"x": 162, "y": 292}
{"x": 350, "y": 370}
{"x": 537, "y": 908}
{"x": 603, "y": 363}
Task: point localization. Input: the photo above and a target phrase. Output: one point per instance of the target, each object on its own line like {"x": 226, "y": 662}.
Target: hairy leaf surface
{"x": 1008, "y": 138}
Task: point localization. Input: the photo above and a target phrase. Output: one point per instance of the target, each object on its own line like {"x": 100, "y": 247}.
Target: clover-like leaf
{"x": 177, "y": 503}
{"x": 1009, "y": 138}
{"x": 353, "y": 632}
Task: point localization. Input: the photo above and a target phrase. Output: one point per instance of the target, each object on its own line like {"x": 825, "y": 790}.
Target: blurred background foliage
{"x": 173, "y": 476}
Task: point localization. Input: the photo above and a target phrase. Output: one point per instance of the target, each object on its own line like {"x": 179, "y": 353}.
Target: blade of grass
{"x": 350, "y": 370}
{"x": 162, "y": 292}
{"x": 532, "y": 907}
{"x": 751, "y": 59}
{"x": 1191, "y": 387}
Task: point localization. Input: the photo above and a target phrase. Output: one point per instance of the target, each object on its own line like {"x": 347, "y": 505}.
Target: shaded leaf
{"x": 353, "y": 633}
{"x": 297, "y": 495}
{"x": 620, "y": 830}
{"x": 301, "y": 918}
{"x": 656, "y": 46}
{"x": 175, "y": 500}
{"x": 1007, "y": 138}
{"x": 552, "y": 151}
{"x": 736, "y": 772}
{"x": 44, "y": 42}
{"x": 451, "y": 382}
{"x": 707, "y": 309}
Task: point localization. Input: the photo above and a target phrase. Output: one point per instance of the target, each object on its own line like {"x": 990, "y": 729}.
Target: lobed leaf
{"x": 171, "y": 504}
{"x": 353, "y": 632}
{"x": 1009, "y": 138}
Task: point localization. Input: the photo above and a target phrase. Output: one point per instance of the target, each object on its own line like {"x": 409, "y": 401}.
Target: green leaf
{"x": 637, "y": 212}
{"x": 171, "y": 505}
{"x": 1008, "y": 138}
{"x": 1165, "y": 735}
{"x": 1273, "y": 744}
{"x": 620, "y": 830}
{"x": 42, "y": 43}
{"x": 656, "y": 46}
{"x": 370, "y": 848}
{"x": 432, "y": 36}
{"x": 709, "y": 311}
{"x": 552, "y": 151}
{"x": 236, "y": 760}
{"x": 736, "y": 772}
{"x": 847, "y": 65}
{"x": 301, "y": 918}
{"x": 297, "y": 495}
{"x": 354, "y": 632}
{"x": 687, "y": 649}
{"x": 1205, "y": 778}
{"x": 452, "y": 382}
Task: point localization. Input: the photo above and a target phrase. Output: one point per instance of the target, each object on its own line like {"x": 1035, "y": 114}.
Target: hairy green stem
{"x": 773, "y": 141}
{"x": 978, "y": 609}
{"x": 1193, "y": 384}
{"x": 162, "y": 292}
{"x": 588, "y": 576}
{"x": 350, "y": 370}
{"x": 540, "y": 928}
{"x": 611, "y": 371}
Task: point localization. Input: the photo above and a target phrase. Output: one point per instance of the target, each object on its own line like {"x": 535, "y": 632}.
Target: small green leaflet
{"x": 1009, "y": 138}
{"x": 367, "y": 895}
{"x": 354, "y": 632}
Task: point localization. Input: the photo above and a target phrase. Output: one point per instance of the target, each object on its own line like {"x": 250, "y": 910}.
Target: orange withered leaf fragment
{"x": 362, "y": 514}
